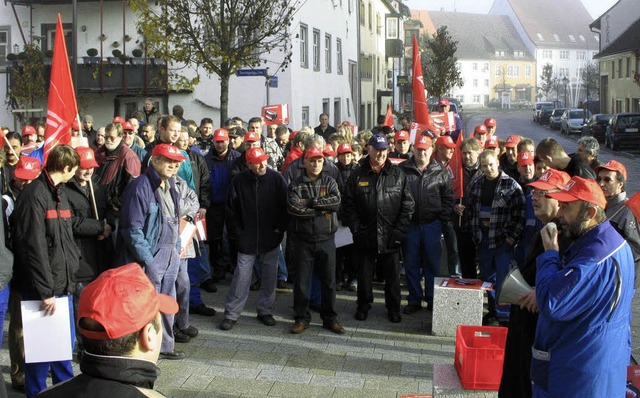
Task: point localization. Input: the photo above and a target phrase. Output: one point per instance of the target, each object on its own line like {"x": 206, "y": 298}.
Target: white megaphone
{"x": 513, "y": 287}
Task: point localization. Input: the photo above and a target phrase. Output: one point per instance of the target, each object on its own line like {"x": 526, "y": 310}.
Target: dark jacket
{"x": 312, "y": 207}
{"x": 578, "y": 167}
{"x": 510, "y": 168}
{"x": 47, "y": 256}
{"x": 431, "y": 191}
{"x": 378, "y": 207}
{"x": 200, "y": 178}
{"x": 256, "y": 211}
{"x": 117, "y": 169}
{"x": 239, "y": 165}
{"x": 220, "y": 173}
{"x": 96, "y": 254}
{"x": 326, "y": 133}
{"x": 346, "y": 171}
{"x": 6, "y": 257}
{"x": 108, "y": 377}
{"x": 297, "y": 168}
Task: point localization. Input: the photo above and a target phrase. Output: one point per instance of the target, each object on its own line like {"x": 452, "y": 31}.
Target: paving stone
{"x": 281, "y": 389}
{"x": 336, "y": 381}
{"x": 275, "y": 375}
{"x": 232, "y": 385}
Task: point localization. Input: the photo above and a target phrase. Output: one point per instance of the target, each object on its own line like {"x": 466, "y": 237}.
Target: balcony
{"x": 133, "y": 77}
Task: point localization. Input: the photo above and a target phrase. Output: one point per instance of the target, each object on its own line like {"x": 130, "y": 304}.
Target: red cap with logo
{"x": 490, "y": 122}
{"x": 551, "y": 179}
{"x": 425, "y": 142}
{"x": 313, "y": 153}
{"x": 446, "y": 141}
{"x": 328, "y": 150}
{"x": 127, "y": 126}
{"x": 28, "y": 130}
{"x": 75, "y": 126}
{"x": 480, "y": 129}
{"x": 122, "y": 300}
{"x": 525, "y": 158}
{"x": 402, "y": 135}
{"x": 256, "y": 155}
{"x": 492, "y": 142}
{"x": 444, "y": 102}
{"x": 168, "y": 151}
{"x": 220, "y": 135}
{"x": 512, "y": 141}
{"x": 251, "y": 136}
{"x": 344, "y": 148}
{"x": 613, "y": 165}
{"x": 87, "y": 157}
{"x": 118, "y": 119}
{"x": 27, "y": 168}
{"x": 579, "y": 188}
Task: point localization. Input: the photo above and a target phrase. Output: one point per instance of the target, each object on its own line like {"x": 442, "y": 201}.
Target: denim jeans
{"x": 422, "y": 253}
{"x": 494, "y": 266}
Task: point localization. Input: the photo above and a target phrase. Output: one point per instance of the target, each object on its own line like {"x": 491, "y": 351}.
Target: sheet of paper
{"x": 201, "y": 224}
{"x": 343, "y": 236}
{"x": 46, "y": 338}
{"x": 186, "y": 235}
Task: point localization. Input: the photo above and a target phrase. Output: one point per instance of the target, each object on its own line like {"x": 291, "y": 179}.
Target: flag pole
{"x": 93, "y": 199}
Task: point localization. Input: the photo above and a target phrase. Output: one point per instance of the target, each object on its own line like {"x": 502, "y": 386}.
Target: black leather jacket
{"x": 431, "y": 190}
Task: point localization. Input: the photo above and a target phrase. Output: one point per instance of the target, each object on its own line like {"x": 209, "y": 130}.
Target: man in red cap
{"x": 583, "y": 338}
{"x": 493, "y": 144}
{"x": 148, "y": 232}
{"x": 402, "y": 145}
{"x": 612, "y": 178}
{"x": 313, "y": 201}
{"x": 27, "y": 170}
{"x": 119, "y": 317}
{"x": 509, "y": 159}
{"x": 130, "y": 139}
{"x": 480, "y": 133}
{"x": 29, "y": 138}
{"x": 428, "y": 181}
{"x": 250, "y": 140}
{"x": 256, "y": 215}
{"x": 444, "y": 106}
{"x": 490, "y": 123}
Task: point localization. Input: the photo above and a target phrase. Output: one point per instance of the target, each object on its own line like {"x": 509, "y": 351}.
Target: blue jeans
{"x": 494, "y": 267}
{"x": 35, "y": 374}
{"x": 4, "y": 303}
{"x": 422, "y": 252}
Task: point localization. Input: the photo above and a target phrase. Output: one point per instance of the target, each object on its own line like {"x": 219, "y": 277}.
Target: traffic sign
{"x": 273, "y": 81}
{"x": 251, "y": 72}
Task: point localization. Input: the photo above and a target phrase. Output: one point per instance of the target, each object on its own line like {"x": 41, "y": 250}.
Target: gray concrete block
{"x": 453, "y": 307}
{"x": 446, "y": 384}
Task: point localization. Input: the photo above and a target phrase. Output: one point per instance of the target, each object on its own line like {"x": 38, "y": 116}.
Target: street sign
{"x": 251, "y": 72}
{"x": 273, "y": 81}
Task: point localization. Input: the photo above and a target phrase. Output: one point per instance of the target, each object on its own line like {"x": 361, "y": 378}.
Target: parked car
{"x": 572, "y": 121}
{"x": 554, "y": 118}
{"x": 596, "y": 126}
{"x": 544, "y": 115}
{"x": 538, "y": 107}
{"x": 623, "y": 130}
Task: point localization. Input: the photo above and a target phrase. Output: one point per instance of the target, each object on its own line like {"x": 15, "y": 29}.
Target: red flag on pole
{"x": 420, "y": 110}
{"x": 388, "y": 120}
{"x": 456, "y": 168}
{"x": 634, "y": 204}
{"x": 62, "y": 108}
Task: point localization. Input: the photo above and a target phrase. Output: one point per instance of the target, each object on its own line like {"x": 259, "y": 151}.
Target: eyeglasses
{"x": 607, "y": 180}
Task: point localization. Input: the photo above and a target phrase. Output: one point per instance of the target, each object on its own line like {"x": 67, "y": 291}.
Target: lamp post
{"x": 565, "y": 81}
{"x": 555, "y": 84}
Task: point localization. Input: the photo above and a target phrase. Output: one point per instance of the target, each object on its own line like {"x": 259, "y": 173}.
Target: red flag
{"x": 456, "y": 168}
{"x": 388, "y": 120}
{"x": 62, "y": 108}
{"x": 420, "y": 110}
{"x": 634, "y": 204}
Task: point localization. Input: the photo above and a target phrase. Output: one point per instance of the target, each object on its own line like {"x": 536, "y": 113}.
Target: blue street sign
{"x": 273, "y": 81}
{"x": 251, "y": 72}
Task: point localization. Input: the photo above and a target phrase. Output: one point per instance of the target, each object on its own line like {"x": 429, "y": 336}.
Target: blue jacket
{"x": 220, "y": 173}
{"x": 585, "y": 314}
{"x": 141, "y": 219}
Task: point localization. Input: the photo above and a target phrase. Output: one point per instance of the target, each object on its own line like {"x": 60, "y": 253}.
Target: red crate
{"x": 479, "y": 356}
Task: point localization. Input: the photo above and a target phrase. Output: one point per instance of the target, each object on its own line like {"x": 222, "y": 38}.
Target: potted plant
{"x": 137, "y": 57}
{"x": 12, "y": 59}
{"x": 47, "y": 57}
{"x": 115, "y": 60}
{"x": 157, "y": 59}
{"x": 92, "y": 57}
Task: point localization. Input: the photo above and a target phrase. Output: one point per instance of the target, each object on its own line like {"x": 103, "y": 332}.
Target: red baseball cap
{"x": 127, "y": 126}
{"x": 446, "y": 141}
{"x": 512, "y": 141}
{"x": 525, "y": 158}
{"x": 480, "y": 129}
{"x": 425, "y": 142}
{"x": 490, "y": 122}
{"x": 251, "y": 136}
{"x": 256, "y": 155}
{"x": 551, "y": 179}
{"x": 168, "y": 151}
{"x": 123, "y": 300}
{"x": 444, "y": 102}
{"x": 75, "y": 125}
{"x": 27, "y": 168}
{"x": 344, "y": 148}
{"x": 579, "y": 188}
{"x": 492, "y": 142}
{"x": 293, "y": 135}
{"x": 28, "y": 130}
{"x": 118, "y": 119}
{"x": 328, "y": 150}
{"x": 87, "y": 157}
{"x": 402, "y": 135}
{"x": 313, "y": 153}
{"x": 221, "y": 135}
{"x": 613, "y": 165}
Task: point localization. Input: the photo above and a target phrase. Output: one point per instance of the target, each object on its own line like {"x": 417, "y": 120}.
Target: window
{"x": 581, "y": 38}
{"x": 474, "y": 66}
{"x": 475, "y": 83}
{"x": 362, "y": 11}
{"x": 547, "y": 54}
{"x": 304, "y": 46}
{"x": 392, "y": 28}
{"x": 628, "y": 66}
{"x": 370, "y": 16}
{"x": 556, "y": 37}
{"x": 327, "y": 53}
{"x": 572, "y": 38}
{"x": 516, "y": 71}
{"x": 485, "y": 67}
{"x": 540, "y": 37}
{"x": 620, "y": 68}
{"x": 528, "y": 71}
{"x": 339, "y": 56}
{"x": 366, "y": 67}
{"x": 379, "y": 25}
{"x": 49, "y": 33}
{"x": 564, "y": 54}
{"x": 305, "y": 116}
{"x": 476, "y": 99}
{"x": 5, "y": 44}
{"x": 498, "y": 70}
{"x": 518, "y": 54}
{"x": 499, "y": 53}
{"x": 613, "y": 69}
{"x": 564, "y": 72}
{"x": 316, "y": 49}
{"x": 581, "y": 55}
{"x": 486, "y": 82}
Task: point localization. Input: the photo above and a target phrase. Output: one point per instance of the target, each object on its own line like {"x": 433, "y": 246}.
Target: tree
{"x": 590, "y": 77}
{"x": 216, "y": 37}
{"x": 546, "y": 80}
{"x": 439, "y": 64}
{"x": 28, "y": 78}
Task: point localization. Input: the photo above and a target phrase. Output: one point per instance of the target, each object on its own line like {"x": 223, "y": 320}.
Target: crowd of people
{"x": 271, "y": 201}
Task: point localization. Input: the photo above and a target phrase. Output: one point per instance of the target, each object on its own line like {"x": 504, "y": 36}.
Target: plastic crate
{"x": 480, "y": 356}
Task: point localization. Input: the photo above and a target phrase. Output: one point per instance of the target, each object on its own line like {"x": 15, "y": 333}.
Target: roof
{"x": 480, "y": 36}
{"x": 627, "y": 41}
{"x": 597, "y": 23}
{"x": 424, "y": 17}
{"x": 555, "y": 24}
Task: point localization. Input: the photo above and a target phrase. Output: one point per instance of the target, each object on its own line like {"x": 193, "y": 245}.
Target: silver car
{"x": 572, "y": 120}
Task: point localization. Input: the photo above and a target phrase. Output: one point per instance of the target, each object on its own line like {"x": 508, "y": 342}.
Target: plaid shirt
{"x": 507, "y": 217}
